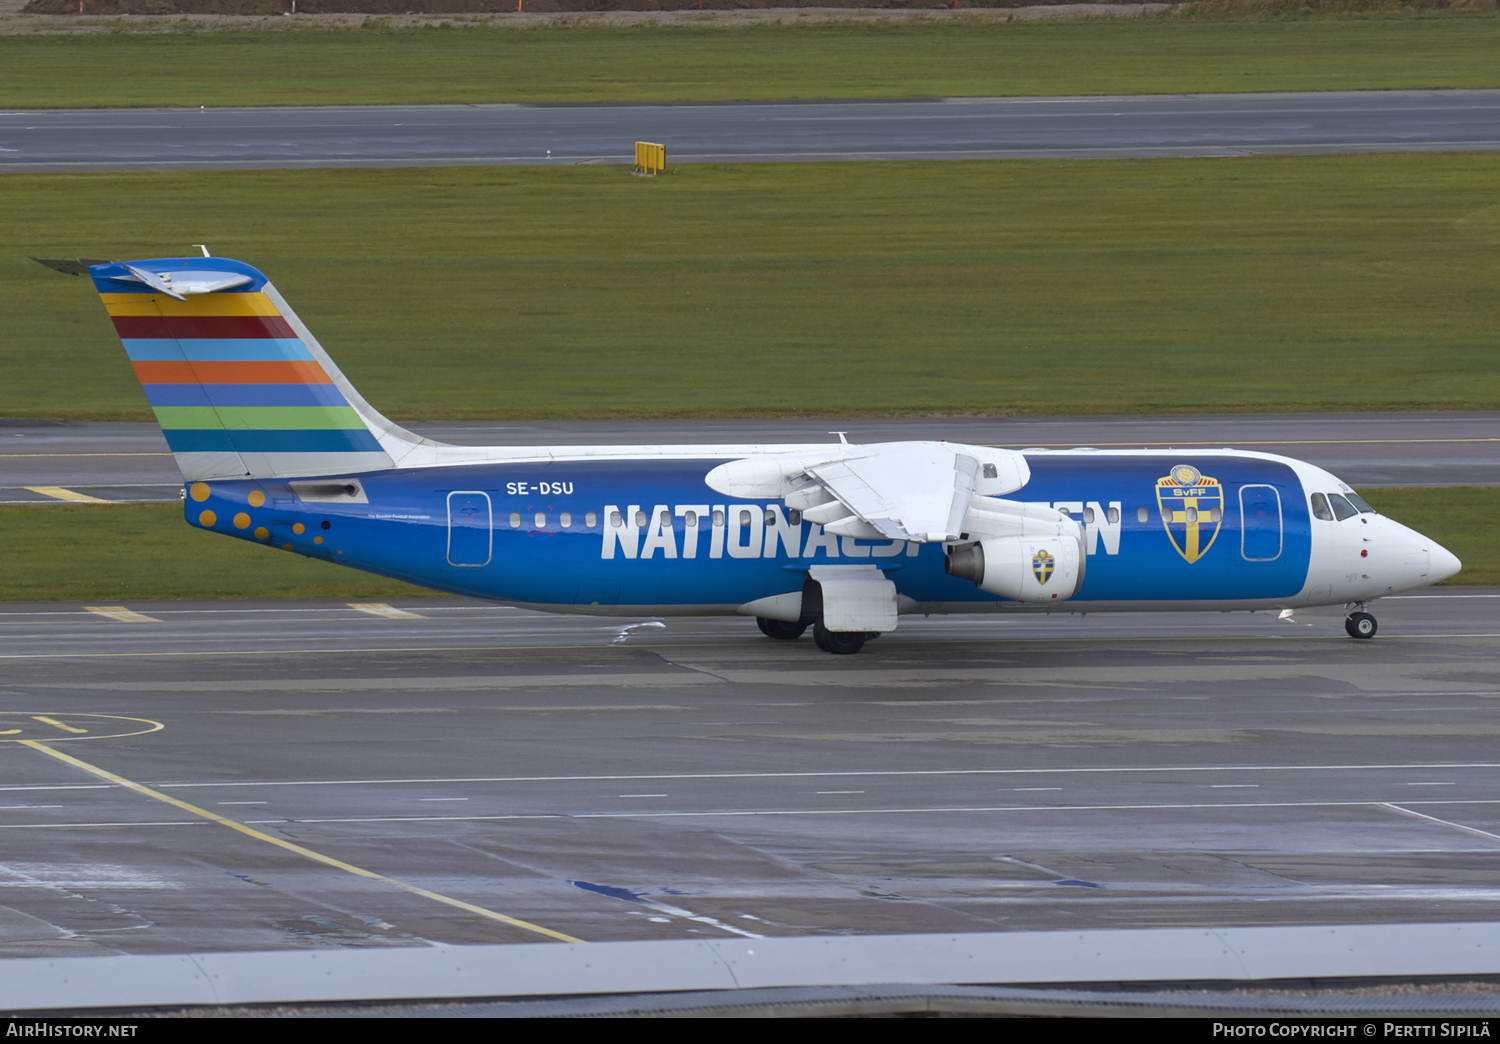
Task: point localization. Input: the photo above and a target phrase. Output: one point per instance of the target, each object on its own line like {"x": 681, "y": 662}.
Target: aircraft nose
{"x": 1444, "y": 563}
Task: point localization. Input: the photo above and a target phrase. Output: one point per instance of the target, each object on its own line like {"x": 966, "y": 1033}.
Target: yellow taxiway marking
{"x": 308, "y": 853}
{"x": 119, "y": 612}
{"x": 56, "y": 723}
{"x": 389, "y": 612}
{"x": 100, "y": 726}
{"x": 58, "y": 493}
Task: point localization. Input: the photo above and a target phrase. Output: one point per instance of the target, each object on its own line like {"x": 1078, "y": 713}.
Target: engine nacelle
{"x": 1031, "y": 569}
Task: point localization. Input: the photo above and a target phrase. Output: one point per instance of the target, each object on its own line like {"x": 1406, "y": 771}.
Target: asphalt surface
{"x": 938, "y": 128}
{"x": 608, "y": 781}
{"x": 131, "y": 462}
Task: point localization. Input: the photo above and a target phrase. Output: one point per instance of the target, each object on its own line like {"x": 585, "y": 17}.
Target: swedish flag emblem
{"x": 1042, "y": 564}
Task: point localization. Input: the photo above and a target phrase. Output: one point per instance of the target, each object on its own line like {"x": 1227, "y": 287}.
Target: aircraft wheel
{"x": 842, "y": 643}
{"x": 787, "y": 632}
{"x": 1360, "y": 625}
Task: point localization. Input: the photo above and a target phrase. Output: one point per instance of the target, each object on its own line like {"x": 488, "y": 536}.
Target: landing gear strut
{"x": 787, "y": 632}
{"x": 839, "y": 642}
{"x": 1360, "y": 625}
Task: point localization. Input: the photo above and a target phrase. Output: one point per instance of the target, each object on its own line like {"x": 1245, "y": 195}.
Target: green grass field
{"x": 107, "y": 554}
{"x": 1041, "y": 287}
{"x": 1144, "y": 56}
{"x": 104, "y": 554}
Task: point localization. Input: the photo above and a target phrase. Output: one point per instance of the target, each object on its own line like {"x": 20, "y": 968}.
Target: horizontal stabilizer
{"x": 68, "y": 265}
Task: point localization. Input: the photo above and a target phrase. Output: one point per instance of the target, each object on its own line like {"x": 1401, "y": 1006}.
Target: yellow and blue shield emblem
{"x": 1042, "y": 564}
{"x": 1192, "y": 510}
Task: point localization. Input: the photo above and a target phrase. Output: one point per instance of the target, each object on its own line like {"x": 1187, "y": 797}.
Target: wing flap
{"x": 916, "y": 491}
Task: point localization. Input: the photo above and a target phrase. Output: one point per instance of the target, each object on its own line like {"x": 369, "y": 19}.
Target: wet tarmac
{"x": 188, "y": 777}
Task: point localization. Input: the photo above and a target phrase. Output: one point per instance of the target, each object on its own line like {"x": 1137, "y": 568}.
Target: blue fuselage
{"x": 618, "y": 536}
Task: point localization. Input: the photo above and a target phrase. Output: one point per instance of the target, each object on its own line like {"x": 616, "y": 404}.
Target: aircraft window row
{"x": 1112, "y": 515}
{"x": 1333, "y": 506}
{"x": 565, "y": 520}
{"x": 1190, "y": 514}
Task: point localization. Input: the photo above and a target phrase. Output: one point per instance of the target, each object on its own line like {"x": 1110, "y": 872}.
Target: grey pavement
{"x": 123, "y": 461}
{"x": 935, "y": 128}
{"x": 700, "y": 781}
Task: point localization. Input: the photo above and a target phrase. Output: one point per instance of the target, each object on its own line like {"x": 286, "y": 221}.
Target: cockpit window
{"x": 1320, "y": 507}
{"x": 1359, "y": 502}
{"x": 1342, "y": 509}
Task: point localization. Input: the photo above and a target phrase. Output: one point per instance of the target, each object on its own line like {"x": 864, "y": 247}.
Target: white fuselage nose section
{"x": 1365, "y": 556}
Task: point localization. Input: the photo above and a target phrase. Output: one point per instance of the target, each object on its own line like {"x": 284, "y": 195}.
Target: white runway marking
{"x": 869, "y": 773}
{"x": 1443, "y": 822}
{"x": 926, "y": 811}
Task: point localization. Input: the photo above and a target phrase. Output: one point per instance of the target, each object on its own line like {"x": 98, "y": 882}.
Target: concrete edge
{"x": 666, "y": 966}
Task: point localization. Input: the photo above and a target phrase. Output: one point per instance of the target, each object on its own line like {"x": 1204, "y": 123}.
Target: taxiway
{"x": 921, "y": 128}
{"x": 253, "y": 776}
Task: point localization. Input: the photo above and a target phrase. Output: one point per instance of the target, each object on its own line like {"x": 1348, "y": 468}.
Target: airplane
{"x": 277, "y": 448}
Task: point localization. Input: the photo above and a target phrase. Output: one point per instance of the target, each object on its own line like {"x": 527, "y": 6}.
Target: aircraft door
{"x": 1260, "y": 523}
{"x": 470, "y": 535}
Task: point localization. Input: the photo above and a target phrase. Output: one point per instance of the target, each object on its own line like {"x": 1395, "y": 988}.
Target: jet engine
{"x": 1032, "y": 569}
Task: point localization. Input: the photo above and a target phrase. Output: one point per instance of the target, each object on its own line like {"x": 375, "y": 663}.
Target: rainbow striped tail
{"x": 240, "y": 387}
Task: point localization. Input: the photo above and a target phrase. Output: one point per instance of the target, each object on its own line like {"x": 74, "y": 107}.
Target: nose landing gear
{"x": 1360, "y": 625}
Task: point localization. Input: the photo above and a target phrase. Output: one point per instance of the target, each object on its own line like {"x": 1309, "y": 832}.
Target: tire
{"x": 780, "y": 629}
{"x": 840, "y": 643}
{"x": 1360, "y": 625}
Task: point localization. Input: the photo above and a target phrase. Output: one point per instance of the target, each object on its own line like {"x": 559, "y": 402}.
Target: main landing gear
{"x": 787, "y": 632}
{"x": 840, "y": 643}
{"x": 1360, "y": 625}
{"x": 843, "y": 643}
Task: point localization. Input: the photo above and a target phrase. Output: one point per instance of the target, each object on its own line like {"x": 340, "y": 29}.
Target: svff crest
{"x": 1192, "y": 510}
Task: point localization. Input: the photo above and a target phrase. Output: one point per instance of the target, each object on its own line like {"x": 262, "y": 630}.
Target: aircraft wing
{"x": 918, "y": 491}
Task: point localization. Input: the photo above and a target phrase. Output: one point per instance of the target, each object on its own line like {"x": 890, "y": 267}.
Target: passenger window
{"x": 515, "y": 520}
{"x": 666, "y": 519}
{"x": 1192, "y": 514}
{"x": 640, "y": 518}
{"x": 615, "y": 520}
{"x": 565, "y": 519}
{"x": 744, "y": 518}
{"x": 691, "y": 519}
{"x": 1088, "y": 515}
{"x": 1140, "y": 514}
{"x": 1342, "y": 509}
{"x": 1215, "y": 514}
{"x": 541, "y": 520}
{"x": 718, "y": 518}
{"x": 1320, "y": 507}
{"x": 1113, "y": 514}
{"x": 591, "y": 519}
